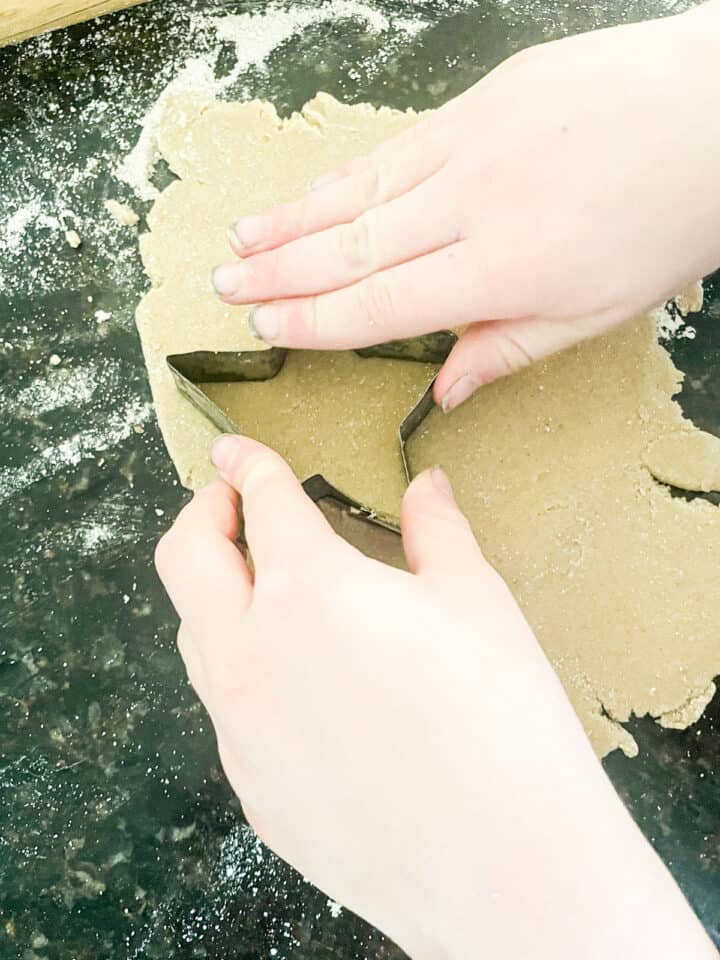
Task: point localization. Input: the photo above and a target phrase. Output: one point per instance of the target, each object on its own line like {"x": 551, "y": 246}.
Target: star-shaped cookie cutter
{"x": 375, "y": 533}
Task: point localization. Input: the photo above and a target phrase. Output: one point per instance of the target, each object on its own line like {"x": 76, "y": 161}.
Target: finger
{"x": 442, "y": 289}
{"x": 201, "y": 567}
{"x": 432, "y": 124}
{"x": 379, "y": 238}
{"x": 377, "y": 179}
{"x": 387, "y": 150}
{"x": 490, "y": 350}
{"x": 282, "y": 524}
{"x": 437, "y": 538}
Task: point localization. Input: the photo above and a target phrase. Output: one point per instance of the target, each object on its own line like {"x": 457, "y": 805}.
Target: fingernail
{"x": 225, "y": 280}
{"x": 247, "y": 232}
{"x": 235, "y": 244}
{"x": 458, "y": 393}
{"x": 264, "y": 322}
{"x": 441, "y": 482}
{"x": 222, "y": 451}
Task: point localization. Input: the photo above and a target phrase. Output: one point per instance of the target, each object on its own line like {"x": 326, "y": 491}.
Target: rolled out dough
{"x": 336, "y": 414}
{"x": 555, "y": 467}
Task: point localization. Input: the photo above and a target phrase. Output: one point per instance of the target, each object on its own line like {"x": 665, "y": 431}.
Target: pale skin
{"x": 571, "y": 189}
{"x": 399, "y": 737}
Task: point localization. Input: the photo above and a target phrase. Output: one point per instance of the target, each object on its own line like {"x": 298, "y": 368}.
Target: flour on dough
{"x": 556, "y": 466}
{"x": 618, "y": 578}
{"x": 232, "y": 159}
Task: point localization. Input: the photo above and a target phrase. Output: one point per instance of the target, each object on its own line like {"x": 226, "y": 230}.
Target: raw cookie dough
{"x": 554, "y": 466}
{"x": 235, "y": 159}
{"x": 618, "y": 578}
{"x": 336, "y": 414}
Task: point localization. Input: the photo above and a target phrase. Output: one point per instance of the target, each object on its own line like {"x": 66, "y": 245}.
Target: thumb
{"x": 496, "y": 348}
{"x": 436, "y": 535}
{"x": 485, "y": 352}
{"x": 493, "y": 349}
{"x": 283, "y": 527}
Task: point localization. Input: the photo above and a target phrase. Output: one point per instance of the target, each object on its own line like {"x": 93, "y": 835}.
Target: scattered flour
{"x": 671, "y": 324}
{"x": 254, "y": 37}
{"x": 334, "y": 908}
{"x": 69, "y": 453}
{"x": 57, "y": 389}
{"x": 14, "y": 227}
{"x": 91, "y": 537}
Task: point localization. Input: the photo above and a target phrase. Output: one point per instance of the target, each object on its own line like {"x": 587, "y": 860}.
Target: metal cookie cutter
{"x": 374, "y": 533}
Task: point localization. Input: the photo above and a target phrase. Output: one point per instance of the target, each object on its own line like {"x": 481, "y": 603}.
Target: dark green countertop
{"x": 119, "y": 839}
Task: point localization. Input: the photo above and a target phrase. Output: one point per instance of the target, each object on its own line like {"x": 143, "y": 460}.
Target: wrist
{"x": 595, "y": 890}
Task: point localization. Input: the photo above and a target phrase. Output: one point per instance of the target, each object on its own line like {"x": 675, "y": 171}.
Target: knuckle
{"x": 164, "y": 550}
{"x": 300, "y": 218}
{"x": 522, "y": 58}
{"x": 511, "y": 354}
{"x": 287, "y": 221}
{"x": 377, "y": 184}
{"x": 375, "y": 301}
{"x": 262, "y": 272}
{"x": 265, "y": 471}
{"x": 355, "y": 244}
{"x": 310, "y": 320}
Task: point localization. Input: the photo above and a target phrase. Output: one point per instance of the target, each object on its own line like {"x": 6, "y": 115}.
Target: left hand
{"x": 400, "y": 737}
{"x": 572, "y": 188}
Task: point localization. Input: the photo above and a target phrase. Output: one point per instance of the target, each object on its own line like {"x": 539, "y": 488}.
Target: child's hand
{"x": 572, "y": 188}
{"x": 400, "y": 737}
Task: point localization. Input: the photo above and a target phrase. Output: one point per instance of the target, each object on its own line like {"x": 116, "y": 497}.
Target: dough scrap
{"x": 122, "y": 213}
{"x": 556, "y": 467}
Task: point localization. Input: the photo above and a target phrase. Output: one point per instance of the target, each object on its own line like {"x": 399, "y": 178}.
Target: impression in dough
{"x": 557, "y": 467}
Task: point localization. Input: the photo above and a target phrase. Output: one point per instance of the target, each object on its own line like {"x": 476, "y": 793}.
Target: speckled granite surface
{"x": 118, "y": 836}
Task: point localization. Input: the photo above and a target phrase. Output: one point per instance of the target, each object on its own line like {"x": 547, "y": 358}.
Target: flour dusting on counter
{"x": 68, "y": 453}
{"x": 254, "y": 37}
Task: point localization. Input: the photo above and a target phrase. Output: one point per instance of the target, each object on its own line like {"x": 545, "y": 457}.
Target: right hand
{"x": 399, "y": 737}
{"x": 571, "y": 189}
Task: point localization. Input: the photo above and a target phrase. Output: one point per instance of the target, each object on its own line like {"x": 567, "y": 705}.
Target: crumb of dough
{"x": 73, "y": 238}
{"x": 689, "y": 712}
{"x": 122, "y": 213}
{"x": 690, "y": 300}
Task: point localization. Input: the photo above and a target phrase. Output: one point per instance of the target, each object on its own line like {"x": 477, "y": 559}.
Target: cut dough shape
{"x": 336, "y": 414}
{"x": 232, "y": 159}
{"x": 555, "y": 466}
